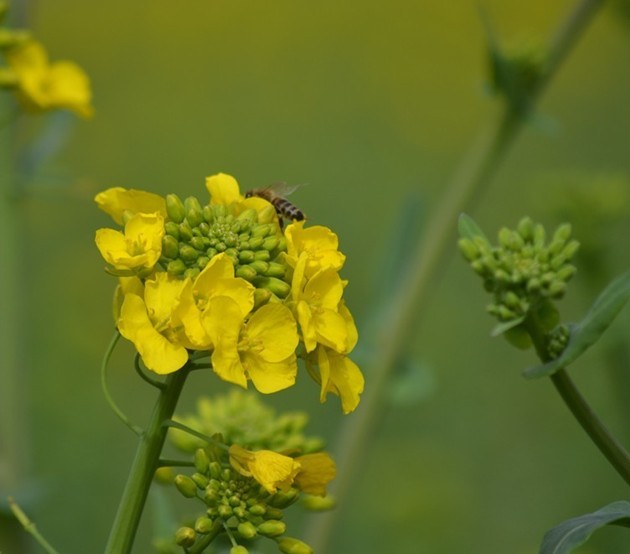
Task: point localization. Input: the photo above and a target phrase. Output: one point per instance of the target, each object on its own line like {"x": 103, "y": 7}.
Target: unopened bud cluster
{"x": 241, "y": 418}
{"x": 195, "y": 234}
{"x": 524, "y": 272}
{"x": 233, "y": 503}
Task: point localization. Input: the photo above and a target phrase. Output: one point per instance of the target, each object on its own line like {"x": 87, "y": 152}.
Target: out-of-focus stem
{"x": 397, "y": 323}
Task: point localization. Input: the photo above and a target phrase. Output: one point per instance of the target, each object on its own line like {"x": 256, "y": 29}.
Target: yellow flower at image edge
{"x": 46, "y": 86}
{"x": 139, "y": 248}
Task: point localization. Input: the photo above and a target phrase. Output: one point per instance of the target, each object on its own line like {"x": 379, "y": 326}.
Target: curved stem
{"x": 176, "y": 425}
{"x": 153, "y": 382}
{"x": 108, "y": 397}
{"x": 144, "y": 465}
{"x": 596, "y": 430}
{"x": 608, "y": 445}
{"x": 396, "y": 324}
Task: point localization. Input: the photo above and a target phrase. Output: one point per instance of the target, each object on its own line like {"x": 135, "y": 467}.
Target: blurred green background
{"x": 367, "y": 102}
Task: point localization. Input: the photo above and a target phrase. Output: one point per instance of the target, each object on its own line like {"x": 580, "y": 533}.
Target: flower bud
{"x": 246, "y": 272}
{"x": 164, "y": 475}
{"x": 203, "y": 525}
{"x": 562, "y": 234}
{"x": 571, "y": 249}
{"x": 185, "y": 537}
{"x": 262, "y": 256}
{"x": 200, "y": 480}
{"x": 270, "y": 243}
{"x": 186, "y": 486}
{"x": 468, "y": 249}
{"x": 283, "y": 499}
{"x": 215, "y": 470}
{"x": 225, "y": 511}
{"x": 272, "y": 528}
{"x": 246, "y": 256}
{"x": 319, "y": 503}
{"x": 289, "y": 545}
{"x": 261, "y": 297}
{"x": 261, "y": 231}
{"x": 260, "y": 267}
{"x": 273, "y": 513}
{"x": 276, "y": 270}
{"x": 170, "y": 246}
{"x": 257, "y": 509}
{"x": 239, "y": 549}
{"x": 185, "y": 232}
{"x": 172, "y": 229}
{"x": 278, "y": 287}
{"x": 175, "y": 208}
{"x": 525, "y": 228}
{"x": 201, "y": 460}
{"x": 247, "y": 530}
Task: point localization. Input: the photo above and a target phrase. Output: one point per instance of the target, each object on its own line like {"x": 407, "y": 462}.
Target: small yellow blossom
{"x": 319, "y": 244}
{"x": 45, "y": 86}
{"x": 216, "y": 279}
{"x": 138, "y": 249}
{"x": 316, "y": 471}
{"x": 337, "y": 374}
{"x": 316, "y": 302}
{"x": 118, "y": 202}
{"x": 146, "y": 321}
{"x": 262, "y": 349}
{"x": 272, "y": 470}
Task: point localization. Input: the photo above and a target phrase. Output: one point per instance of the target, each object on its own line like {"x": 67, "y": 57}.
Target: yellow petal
{"x": 117, "y": 200}
{"x": 341, "y": 376}
{"x": 331, "y": 329}
{"x": 316, "y": 471}
{"x": 161, "y": 295}
{"x": 187, "y": 315}
{"x": 275, "y": 329}
{"x": 309, "y": 334}
{"x": 270, "y": 377}
{"x": 326, "y": 286}
{"x": 158, "y": 354}
{"x": 319, "y": 243}
{"x": 353, "y": 335}
{"x": 223, "y": 189}
{"x": 270, "y": 469}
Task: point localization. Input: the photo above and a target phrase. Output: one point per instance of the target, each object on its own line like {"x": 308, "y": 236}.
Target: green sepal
{"x": 590, "y": 329}
{"x": 501, "y": 328}
{"x": 570, "y": 534}
{"x": 518, "y": 337}
{"x": 468, "y": 228}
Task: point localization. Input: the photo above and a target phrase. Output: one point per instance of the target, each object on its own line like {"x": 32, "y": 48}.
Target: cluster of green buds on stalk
{"x": 526, "y": 275}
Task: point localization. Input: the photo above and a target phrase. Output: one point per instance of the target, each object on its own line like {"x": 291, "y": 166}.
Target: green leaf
{"x": 468, "y": 228}
{"x": 567, "y": 536}
{"x": 590, "y": 329}
{"x": 504, "y": 326}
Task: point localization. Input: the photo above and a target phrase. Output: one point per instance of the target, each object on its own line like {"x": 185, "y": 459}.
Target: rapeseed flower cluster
{"x": 225, "y": 278}
{"x": 41, "y": 85}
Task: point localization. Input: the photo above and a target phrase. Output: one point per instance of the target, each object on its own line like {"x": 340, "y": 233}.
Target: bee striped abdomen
{"x": 285, "y": 209}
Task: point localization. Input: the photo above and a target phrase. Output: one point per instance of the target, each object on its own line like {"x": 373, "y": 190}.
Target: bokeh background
{"x": 368, "y": 103}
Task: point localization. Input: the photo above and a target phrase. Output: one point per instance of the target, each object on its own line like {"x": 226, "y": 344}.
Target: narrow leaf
{"x": 570, "y": 534}
{"x": 504, "y": 326}
{"x": 468, "y": 228}
{"x": 590, "y": 329}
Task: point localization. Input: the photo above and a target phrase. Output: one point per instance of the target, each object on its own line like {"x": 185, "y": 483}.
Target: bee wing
{"x": 282, "y": 189}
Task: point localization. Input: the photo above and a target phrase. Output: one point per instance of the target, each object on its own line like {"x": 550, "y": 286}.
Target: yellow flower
{"x": 272, "y": 470}
{"x": 337, "y": 374}
{"x": 318, "y": 243}
{"x": 118, "y": 202}
{"x": 316, "y": 471}
{"x": 262, "y": 349}
{"x": 146, "y": 321}
{"x": 139, "y": 248}
{"x": 126, "y": 285}
{"x": 316, "y": 302}
{"x": 216, "y": 279}
{"x": 46, "y": 86}
{"x": 224, "y": 190}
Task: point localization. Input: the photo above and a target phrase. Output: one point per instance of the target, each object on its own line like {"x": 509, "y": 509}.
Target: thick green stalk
{"x": 407, "y": 302}
{"x": 144, "y": 465}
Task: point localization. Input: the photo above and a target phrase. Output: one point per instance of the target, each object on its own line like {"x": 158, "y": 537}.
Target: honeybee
{"x": 275, "y": 195}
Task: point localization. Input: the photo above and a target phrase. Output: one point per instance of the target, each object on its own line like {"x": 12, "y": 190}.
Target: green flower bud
{"x": 505, "y": 236}
{"x": 283, "y": 499}
{"x": 270, "y": 243}
{"x": 208, "y": 214}
{"x": 276, "y": 270}
{"x": 247, "y": 530}
{"x": 204, "y": 525}
{"x": 185, "y": 537}
{"x": 571, "y": 249}
{"x": 261, "y": 230}
{"x": 260, "y": 267}
{"x": 318, "y": 503}
{"x": 220, "y": 211}
{"x": 192, "y": 272}
{"x": 220, "y": 246}
{"x": 186, "y": 486}
{"x": 199, "y": 243}
{"x": 175, "y": 208}
{"x": 278, "y": 287}
{"x": 188, "y": 253}
{"x": 170, "y": 246}
{"x": 164, "y": 475}
{"x": 256, "y": 242}
{"x": 289, "y": 545}
{"x": 246, "y": 256}
{"x": 225, "y": 511}
{"x": 246, "y": 272}
{"x": 257, "y": 509}
{"x": 185, "y": 232}
{"x": 239, "y": 549}
{"x": 226, "y": 474}
{"x": 215, "y": 470}
{"x": 210, "y": 496}
{"x": 171, "y": 228}
{"x": 468, "y": 249}
{"x": 250, "y": 216}
{"x": 539, "y": 235}
{"x": 211, "y": 252}
{"x": 557, "y": 289}
{"x": 562, "y": 233}
{"x": 200, "y": 480}
{"x": 176, "y": 267}
{"x": 261, "y": 297}
{"x": 273, "y": 513}
{"x": 262, "y": 256}
{"x": 202, "y": 461}
{"x": 565, "y": 273}
{"x": 240, "y": 512}
{"x": 202, "y": 261}
{"x": 525, "y": 228}
{"x": 234, "y": 501}
{"x": 272, "y": 528}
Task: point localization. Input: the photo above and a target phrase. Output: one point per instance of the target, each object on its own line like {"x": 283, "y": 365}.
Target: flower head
{"x": 45, "y": 86}
{"x": 272, "y": 470}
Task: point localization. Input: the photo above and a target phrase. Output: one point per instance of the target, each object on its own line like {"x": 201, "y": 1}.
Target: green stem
{"x": 608, "y": 445}
{"x": 144, "y": 465}
{"x": 30, "y": 527}
{"x": 397, "y": 324}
